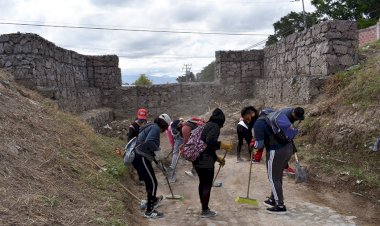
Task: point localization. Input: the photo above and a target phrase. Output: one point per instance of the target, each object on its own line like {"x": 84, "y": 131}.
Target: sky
{"x": 152, "y": 53}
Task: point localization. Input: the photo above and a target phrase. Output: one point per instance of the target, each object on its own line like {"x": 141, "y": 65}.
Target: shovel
{"x": 301, "y": 171}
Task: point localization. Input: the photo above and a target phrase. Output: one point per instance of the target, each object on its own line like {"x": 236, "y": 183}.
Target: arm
{"x": 259, "y": 131}
{"x": 131, "y": 132}
{"x": 170, "y": 137}
{"x": 152, "y": 140}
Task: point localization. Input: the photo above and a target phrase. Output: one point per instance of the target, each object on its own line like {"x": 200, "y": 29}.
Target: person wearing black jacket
{"x": 244, "y": 130}
{"x": 204, "y": 164}
{"x": 147, "y": 150}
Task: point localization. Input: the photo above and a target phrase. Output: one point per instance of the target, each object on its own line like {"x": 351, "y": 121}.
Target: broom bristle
{"x": 248, "y": 201}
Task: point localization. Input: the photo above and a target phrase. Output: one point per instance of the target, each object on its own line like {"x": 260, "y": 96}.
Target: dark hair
{"x": 299, "y": 112}
{"x": 161, "y": 123}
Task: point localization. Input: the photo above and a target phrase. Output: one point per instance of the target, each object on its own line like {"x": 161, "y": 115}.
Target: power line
{"x": 130, "y": 29}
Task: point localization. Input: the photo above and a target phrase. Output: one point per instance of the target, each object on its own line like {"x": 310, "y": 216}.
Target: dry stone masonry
{"x": 291, "y": 71}
{"x": 75, "y": 81}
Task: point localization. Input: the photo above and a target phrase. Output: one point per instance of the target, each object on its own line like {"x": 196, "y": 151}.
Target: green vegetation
{"x": 365, "y": 12}
{"x": 143, "y": 80}
{"x": 207, "y": 74}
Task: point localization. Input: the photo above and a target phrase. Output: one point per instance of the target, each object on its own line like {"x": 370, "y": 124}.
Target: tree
{"x": 190, "y": 77}
{"x": 143, "y": 80}
{"x": 207, "y": 74}
{"x": 365, "y": 12}
{"x": 289, "y": 24}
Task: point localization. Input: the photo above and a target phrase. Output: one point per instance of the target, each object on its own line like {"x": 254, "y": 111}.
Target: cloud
{"x": 144, "y": 52}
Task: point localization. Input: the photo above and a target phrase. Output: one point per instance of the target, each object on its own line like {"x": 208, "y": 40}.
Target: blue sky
{"x": 150, "y": 53}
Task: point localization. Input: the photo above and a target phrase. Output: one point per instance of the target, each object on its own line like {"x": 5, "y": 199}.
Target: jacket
{"x": 148, "y": 141}
{"x": 210, "y": 136}
{"x": 133, "y": 131}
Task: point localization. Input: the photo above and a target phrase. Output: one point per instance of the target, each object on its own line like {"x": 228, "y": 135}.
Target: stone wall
{"x": 75, "y": 81}
{"x": 293, "y": 70}
{"x": 173, "y": 99}
{"x": 369, "y": 34}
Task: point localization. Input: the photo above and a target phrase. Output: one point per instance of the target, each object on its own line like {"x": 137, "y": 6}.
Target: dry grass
{"x": 46, "y": 178}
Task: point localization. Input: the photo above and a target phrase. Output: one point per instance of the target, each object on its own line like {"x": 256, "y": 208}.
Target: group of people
{"x": 178, "y": 133}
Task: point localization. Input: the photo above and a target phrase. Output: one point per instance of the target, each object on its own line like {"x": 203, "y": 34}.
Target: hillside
{"x": 340, "y": 127}
{"x": 46, "y": 175}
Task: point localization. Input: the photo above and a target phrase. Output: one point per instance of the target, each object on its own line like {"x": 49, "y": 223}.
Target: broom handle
{"x": 167, "y": 180}
{"x": 296, "y": 157}
{"x": 220, "y": 166}
{"x": 250, "y": 171}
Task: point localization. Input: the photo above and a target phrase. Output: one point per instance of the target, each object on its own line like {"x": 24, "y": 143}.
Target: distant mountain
{"x": 155, "y": 79}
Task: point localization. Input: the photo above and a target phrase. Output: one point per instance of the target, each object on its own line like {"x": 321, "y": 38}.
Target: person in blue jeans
{"x": 278, "y": 155}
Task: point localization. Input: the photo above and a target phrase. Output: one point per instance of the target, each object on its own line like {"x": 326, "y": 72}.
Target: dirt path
{"x": 301, "y": 201}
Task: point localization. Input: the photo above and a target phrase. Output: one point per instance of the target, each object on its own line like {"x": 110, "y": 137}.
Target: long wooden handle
{"x": 250, "y": 172}
{"x": 220, "y": 166}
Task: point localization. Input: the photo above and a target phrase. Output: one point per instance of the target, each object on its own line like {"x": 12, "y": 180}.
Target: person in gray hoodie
{"x": 147, "y": 149}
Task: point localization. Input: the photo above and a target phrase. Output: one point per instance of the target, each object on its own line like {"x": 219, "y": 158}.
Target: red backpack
{"x": 194, "y": 146}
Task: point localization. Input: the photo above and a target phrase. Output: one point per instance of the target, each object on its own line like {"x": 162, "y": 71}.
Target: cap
{"x": 166, "y": 118}
{"x": 142, "y": 113}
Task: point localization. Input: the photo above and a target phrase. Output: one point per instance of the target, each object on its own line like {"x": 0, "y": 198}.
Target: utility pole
{"x": 187, "y": 68}
{"x": 304, "y": 14}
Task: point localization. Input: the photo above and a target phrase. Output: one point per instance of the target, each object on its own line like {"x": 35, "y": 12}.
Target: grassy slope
{"x": 341, "y": 126}
{"x": 45, "y": 176}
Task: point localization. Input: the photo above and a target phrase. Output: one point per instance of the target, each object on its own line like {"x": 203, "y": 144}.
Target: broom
{"x": 247, "y": 200}
{"x": 172, "y": 196}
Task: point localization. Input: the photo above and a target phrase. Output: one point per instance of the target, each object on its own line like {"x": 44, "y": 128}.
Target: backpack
{"x": 283, "y": 130}
{"x": 194, "y": 146}
{"x": 129, "y": 151}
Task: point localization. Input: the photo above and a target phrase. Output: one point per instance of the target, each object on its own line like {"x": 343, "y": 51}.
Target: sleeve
{"x": 186, "y": 131}
{"x": 131, "y": 132}
{"x": 212, "y": 137}
{"x": 170, "y": 137}
{"x": 259, "y": 131}
{"x": 152, "y": 140}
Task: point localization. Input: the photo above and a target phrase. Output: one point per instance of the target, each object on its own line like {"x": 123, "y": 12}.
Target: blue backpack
{"x": 283, "y": 130}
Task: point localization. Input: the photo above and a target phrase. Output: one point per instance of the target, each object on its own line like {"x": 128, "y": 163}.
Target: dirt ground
{"x": 308, "y": 204}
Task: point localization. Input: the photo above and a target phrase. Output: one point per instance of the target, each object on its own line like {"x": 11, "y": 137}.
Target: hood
{"x": 218, "y": 117}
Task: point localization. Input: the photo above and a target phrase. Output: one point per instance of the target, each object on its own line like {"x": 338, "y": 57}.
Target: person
{"x": 278, "y": 155}
{"x": 147, "y": 150}
{"x": 244, "y": 130}
{"x": 187, "y": 127}
{"x": 174, "y": 135}
{"x": 134, "y": 130}
{"x": 204, "y": 164}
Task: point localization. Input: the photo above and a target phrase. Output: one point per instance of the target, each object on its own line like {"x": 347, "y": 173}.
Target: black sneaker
{"x": 269, "y": 203}
{"x": 208, "y": 213}
{"x": 157, "y": 203}
{"x": 277, "y": 210}
{"x": 154, "y": 214}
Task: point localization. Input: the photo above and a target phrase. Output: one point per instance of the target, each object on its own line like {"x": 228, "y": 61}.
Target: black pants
{"x": 206, "y": 177}
{"x": 277, "y": 160}
{"x": 243, "y": 134}
{"x": 145, "y": 170}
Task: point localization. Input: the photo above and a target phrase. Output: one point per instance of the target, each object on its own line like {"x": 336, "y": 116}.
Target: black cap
{"x": 299, "y": 113}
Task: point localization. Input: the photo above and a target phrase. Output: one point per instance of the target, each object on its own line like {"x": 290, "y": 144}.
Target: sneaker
{"x": 255, "y": 162}
{"x": 158, "y": 201}
{"x": 208, "y": 213}
{"x": 269, "y": 203}
{"x": 154, "y": 214}
{"x": 289, "y": 171}
{"x": 239, "y": 160}
{"x": 277, "y": 210}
